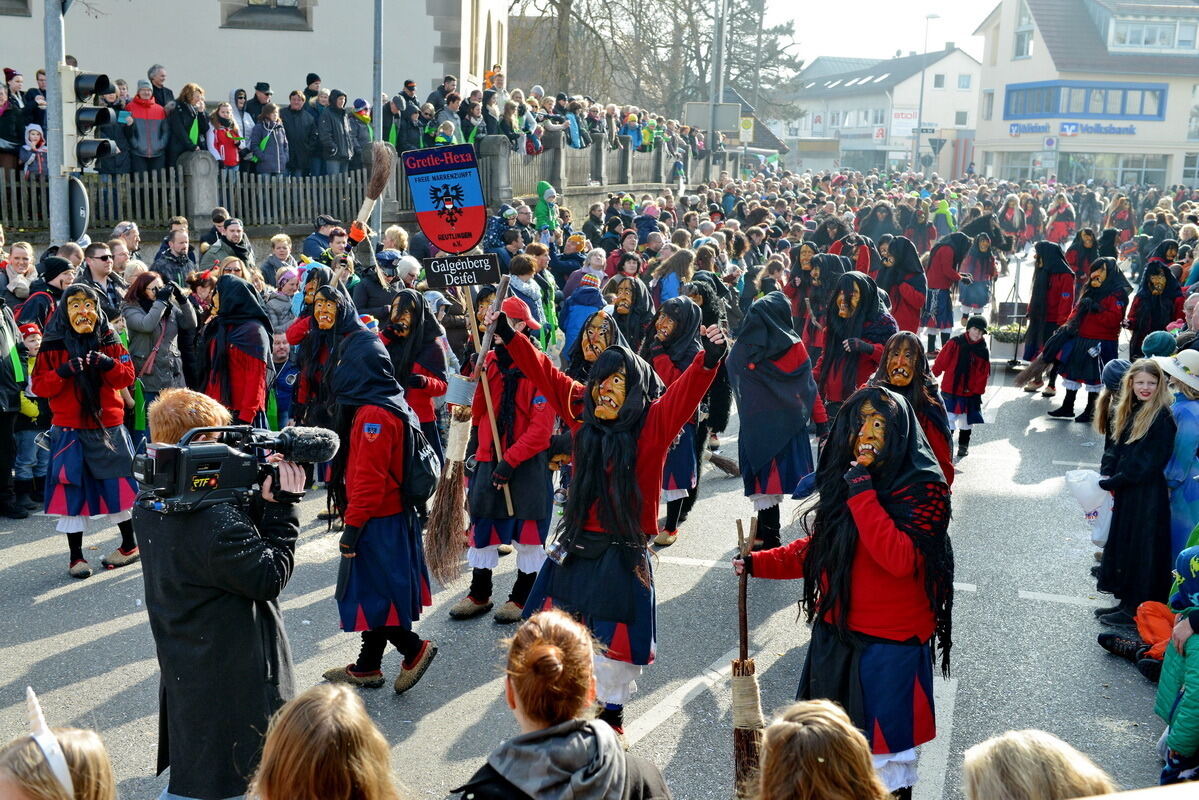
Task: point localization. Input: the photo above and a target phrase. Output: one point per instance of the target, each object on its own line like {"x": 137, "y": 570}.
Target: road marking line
{"x": 965, "y": 587}
{"x": 695, "y": 562}
{"x": 1076, "y": 464}
{"x": 645, "y": 724}
{"x": 1059, "y": 598}
{"x": 934, "y": 755}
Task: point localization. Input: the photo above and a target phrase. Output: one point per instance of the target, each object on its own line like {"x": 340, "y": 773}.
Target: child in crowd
{"x": 321, "y": 745}
{"x": 280, "y": 258}
{"x": 445, "y": 134}
{"x": 1031, "y": 764}
{"x": 58, "y": 764}
{"x": 278, "y": 406}
{"x": 965, "y": 364}
{"x": 1178, "y": 690}
{"x": 30, "y": 461}
{"x": 814, "y": 752}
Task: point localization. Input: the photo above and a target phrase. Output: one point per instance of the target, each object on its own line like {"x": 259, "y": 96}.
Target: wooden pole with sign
{"x": 481, "y": 347}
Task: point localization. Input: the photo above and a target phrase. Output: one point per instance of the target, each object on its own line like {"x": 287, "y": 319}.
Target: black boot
{"x": 944, "y": 338}
{"x": 12, "y": 508}
{"x": 25, "y": 495}
{"x": 1067, "y": 409}
{"x": 964, "y": 443}
{"x": 932, "y": 344}
{"x": 614, "y": 717}
{"x": 1088, "y": 414}
{"x": 902, "y": 794}
{"x": 769, "y": 528}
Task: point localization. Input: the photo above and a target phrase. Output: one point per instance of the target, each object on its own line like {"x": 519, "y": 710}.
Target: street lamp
{"x": 920, "y": 111}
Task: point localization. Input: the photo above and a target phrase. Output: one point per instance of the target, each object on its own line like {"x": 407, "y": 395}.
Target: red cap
{"x": 29, "y": 329}
{"x": 518, "y": 311}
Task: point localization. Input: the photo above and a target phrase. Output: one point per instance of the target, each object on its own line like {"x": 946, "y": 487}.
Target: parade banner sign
{"x": 474, "y": 270}
{"x": 447, "y": 196}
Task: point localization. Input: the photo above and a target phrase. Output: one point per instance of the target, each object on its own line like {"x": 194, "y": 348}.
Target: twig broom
{"x": 748, "y": 721}
{"x": 445, "y": 533}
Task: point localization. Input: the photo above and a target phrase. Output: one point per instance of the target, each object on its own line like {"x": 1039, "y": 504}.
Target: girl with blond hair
{"x": 26, "y": 770}
{"x": 324, "y": 746}
{"x": 1138, "y": 445}
{"x": 1030, "y": 765}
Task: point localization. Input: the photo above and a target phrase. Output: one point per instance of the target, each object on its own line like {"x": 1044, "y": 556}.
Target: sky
{"x": 877, "y": 28}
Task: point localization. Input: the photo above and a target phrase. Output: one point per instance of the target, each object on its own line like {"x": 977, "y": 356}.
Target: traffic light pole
{"x": 55, "y": 53}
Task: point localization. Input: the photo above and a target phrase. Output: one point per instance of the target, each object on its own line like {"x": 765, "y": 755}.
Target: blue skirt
{"x": 387, "y": 583}
{"x": 972, "y": 407}
{"x": 938, "y": 310}
{"x": 781, "y": 474}
{"x": 487, "y": 532}
{"x": 681, "y": 470}
{"x": 1078, "y": 365}
{"x": 87, "y": 478}
{"x": 607, "y": 597}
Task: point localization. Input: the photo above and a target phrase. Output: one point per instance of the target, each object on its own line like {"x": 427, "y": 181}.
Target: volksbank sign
{"x": 1071, "y": 129}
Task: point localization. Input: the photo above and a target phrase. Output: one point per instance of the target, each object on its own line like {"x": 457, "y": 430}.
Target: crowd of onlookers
{"x": 321, "y": 131}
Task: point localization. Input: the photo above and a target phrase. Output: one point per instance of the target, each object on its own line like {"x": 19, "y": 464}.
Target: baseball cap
{"x": 30, "y": 329}
{"x": 409, "y": 84}
{"x": 263, "y": 86}
{"x": 517, "y": 311}
{"x": 325, "y": 219}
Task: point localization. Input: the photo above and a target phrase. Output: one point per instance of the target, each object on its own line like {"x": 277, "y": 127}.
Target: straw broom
{"x": 723, "y": 463}
{"x": 382, "y": 159}
{"x": 748, "y": 721}
{"x": 445, "y": 533}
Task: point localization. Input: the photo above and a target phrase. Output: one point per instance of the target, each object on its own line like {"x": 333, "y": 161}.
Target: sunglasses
{"x": 103, "y": 258}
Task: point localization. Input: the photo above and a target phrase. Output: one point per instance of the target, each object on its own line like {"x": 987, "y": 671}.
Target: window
{"x": 988, "y": 104}
{"x": 964, "y": 81}
{"x": 1190, "y": 169}
{"x": 1134, "y": 34}
{"x": 960, "y": 118}
{"x": 15, "y": 8}
{"x": 265, "y": 15}
{"x": 939, "y": 80}
{"x": 835, "y": 120}
{"x": 1024, "y": 31}
{"x": 1193, "y": 122}
{"x": 1085, "y": 99}
{"x": 878, "y": 116}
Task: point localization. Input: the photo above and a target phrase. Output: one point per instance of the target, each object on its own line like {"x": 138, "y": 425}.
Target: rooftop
{"x": 872, "y": 79}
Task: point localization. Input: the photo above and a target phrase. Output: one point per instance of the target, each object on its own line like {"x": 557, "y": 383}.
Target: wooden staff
{"x": 481, "y": 348}
{"x": 748, "y": 721}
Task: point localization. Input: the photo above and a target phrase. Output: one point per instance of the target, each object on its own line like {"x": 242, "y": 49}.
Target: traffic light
{"x": 80, "y": 117}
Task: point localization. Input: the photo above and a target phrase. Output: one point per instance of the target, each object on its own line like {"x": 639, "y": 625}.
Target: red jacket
{"x": 941, "y": 444}
{"x": 532, "y": 428}
{"x": 1104, "y": 324}
{"x": 664, "y": 420}
{"x": 225, "y": 145}
{"x": 375, "y": 469}
{"x": 60, "y": 392}
{"x": 947, "y": 364}
{"x": 1059, "y": 298}
{"x": 421, "y": 399}
{"x": 1135, "y": 310}
{"x": 942, "y": 273}
{"x": 247, "y": 383}
{"x": 887, "y": 597}
{"x": 907, "y": 304}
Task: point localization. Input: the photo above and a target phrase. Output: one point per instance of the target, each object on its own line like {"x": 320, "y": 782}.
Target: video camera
{"x": 192, "y": 475}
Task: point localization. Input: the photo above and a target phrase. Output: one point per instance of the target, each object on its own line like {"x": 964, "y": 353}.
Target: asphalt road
{"x": 1025, "y": 654}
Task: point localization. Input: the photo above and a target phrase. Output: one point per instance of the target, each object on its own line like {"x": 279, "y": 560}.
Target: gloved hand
{"x": 348, "y": 543}
{"x": 100, "y": 361}
{"x": 822, "y": 429}
{"x": 858, "y": 478}
{"x": 164, "y": 292}
{"x": 501, "y": 474}
{"x": 966, "y": 279}
{"x": 859, "y": 345}
{"x": 70, "y": 368}
{"x": 504, "y": 329}
{"x": 713, "y": 352}
{"x": 416, "y": 382}
{"x": 1088, "y": 305}
{"x": 357, "y": 232}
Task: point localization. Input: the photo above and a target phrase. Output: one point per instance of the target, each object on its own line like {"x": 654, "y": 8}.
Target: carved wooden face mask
{"x": 664, "y": 326}
{"x": 310, "y": 292}
{"x": 597, "y": 337}
{"x": 325, "y": 313}
{"x": 82, "y": 312}
{"x": 1098, "y": 276}
{"x": 624, "y": 298}
{"x": 848, "y": 301}
{"x": 901, "y": 364}
{"x": 401, "y": 320}
{"x": 609, "y": 395}
{"x": 1157, "y": 283}
{"x": 871, "y": 436}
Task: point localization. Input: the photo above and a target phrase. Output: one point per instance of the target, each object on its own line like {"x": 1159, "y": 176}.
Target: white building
{"x": 1103, "y": 89}
{"x": 226, "y": 44}
{"x": 871, "y": 108}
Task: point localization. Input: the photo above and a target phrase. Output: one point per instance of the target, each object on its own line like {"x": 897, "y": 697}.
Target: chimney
{"x": 949, "y": 46}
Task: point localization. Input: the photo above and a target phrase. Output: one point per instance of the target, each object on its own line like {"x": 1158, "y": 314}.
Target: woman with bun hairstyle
{"x": 814, "y": 752}
{"x": 549, "y": 685}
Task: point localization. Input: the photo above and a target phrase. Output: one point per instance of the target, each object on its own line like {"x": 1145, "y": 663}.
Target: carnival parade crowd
{"x": 846, "y": 314}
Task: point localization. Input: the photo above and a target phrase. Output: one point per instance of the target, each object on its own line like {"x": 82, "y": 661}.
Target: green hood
{"x": 542, "y": 188}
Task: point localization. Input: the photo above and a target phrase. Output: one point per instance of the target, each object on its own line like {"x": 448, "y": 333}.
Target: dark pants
{"x": 144, "y": 164}
{"x": 7, "y": 454}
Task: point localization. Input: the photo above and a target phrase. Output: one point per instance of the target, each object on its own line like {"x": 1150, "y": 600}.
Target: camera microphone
{"x": 303, "y": 445}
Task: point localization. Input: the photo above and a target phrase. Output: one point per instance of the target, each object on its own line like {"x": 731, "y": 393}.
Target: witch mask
{"x": 609, "y": 395}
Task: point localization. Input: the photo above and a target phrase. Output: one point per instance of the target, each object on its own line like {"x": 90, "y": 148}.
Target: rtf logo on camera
{"x": 204, "y": 482}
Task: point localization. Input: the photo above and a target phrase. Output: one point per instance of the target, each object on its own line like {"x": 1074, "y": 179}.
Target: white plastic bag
{"x": 1096, "y": 502}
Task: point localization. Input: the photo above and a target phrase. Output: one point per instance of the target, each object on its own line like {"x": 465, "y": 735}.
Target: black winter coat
{"x": 298, "y": 126}
{"x": 213, "y": 578}
{"x": 179, "y": 122}
{"x": 372, "y": 297}
{"x": 336, "y": 138}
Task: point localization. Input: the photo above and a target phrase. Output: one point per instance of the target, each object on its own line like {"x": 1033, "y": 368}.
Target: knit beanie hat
{"x": 1186, "y": 568}
{"x": 1158, "y": 343}
{"x": 590, "y": 279}
{"x": 311, "y": 79}
{"x": 651, "y": 210}
{"x": 977, "y": 321}
{"x": 55, "y": 266}
{"x": 144, "y": 84}
{"x": 1113, "y": 373}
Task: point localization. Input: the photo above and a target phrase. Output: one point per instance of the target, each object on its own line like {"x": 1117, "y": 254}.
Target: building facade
{"x": 872, "y": 111}
{"x": 1090, "y": 89}
{"x": 228, "y": 44}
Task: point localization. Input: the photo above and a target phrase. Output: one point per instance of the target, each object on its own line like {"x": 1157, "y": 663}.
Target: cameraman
{"x": 212, "y": 581}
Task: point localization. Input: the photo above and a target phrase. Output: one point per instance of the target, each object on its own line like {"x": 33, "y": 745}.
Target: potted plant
{"x": 1006, "y": 340}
